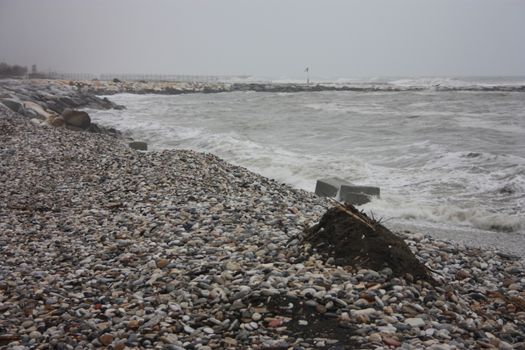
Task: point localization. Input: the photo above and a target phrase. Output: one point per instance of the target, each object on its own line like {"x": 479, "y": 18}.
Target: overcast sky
{"x": 274, "y": 38}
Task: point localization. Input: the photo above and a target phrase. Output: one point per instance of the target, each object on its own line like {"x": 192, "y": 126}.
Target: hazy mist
{"x": 267, "y": 38}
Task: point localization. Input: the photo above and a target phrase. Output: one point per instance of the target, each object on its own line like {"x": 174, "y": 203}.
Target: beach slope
{"x": 104, "y": 245}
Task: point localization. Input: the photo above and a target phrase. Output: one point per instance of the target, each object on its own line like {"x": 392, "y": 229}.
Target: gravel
{"x": 103, "y": 245}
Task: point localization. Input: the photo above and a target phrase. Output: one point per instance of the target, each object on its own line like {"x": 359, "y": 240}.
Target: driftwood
{"x": 353, "y": 239}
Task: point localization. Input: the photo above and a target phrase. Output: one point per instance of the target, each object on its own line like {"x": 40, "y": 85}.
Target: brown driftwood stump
{"x": 353, "y": 239}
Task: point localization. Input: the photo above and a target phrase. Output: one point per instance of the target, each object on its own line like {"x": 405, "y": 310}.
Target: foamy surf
{"x": 451, "y": 216}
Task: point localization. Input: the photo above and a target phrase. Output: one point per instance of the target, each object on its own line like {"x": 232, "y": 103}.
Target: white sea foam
{"x": 450, "y": 216}
{"x": 434, "y": 82}
{"x": 430, "y": 82}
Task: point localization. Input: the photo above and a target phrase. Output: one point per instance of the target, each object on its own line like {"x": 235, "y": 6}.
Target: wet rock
{"x": 77, "y": 119}
{"x": 14, "y": 105}
{"x": 38, "y": 111}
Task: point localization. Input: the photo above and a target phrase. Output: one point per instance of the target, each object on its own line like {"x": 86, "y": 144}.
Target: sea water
{"x": 451, "y": 162}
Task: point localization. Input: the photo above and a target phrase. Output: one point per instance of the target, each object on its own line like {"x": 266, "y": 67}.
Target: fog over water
{"x": 267, "y": 38}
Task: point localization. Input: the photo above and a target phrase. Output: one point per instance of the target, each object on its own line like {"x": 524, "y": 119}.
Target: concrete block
{"x": 354, "y": 198}
{"x": 358, "y": 195}
{"x": 139, "y": 145}
{"x": 330, "y": 186}
{"x": 369, "y": 190}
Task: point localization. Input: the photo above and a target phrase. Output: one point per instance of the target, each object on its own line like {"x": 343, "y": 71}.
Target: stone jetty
{"x": 62, "y": 94}
{"x": 54, "y": 102}
{"x": 104, "y": 246}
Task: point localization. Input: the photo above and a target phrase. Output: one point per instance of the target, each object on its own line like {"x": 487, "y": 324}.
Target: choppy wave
{"x": 272, "y": 161}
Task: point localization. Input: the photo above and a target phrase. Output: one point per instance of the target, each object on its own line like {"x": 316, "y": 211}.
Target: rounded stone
{"x": 133, "y": 324}
{"x": 106, "y": 339}
{"x": 208, "y": 330}
{"x": 79, "y": 119}
{"x": 375, "y": 338}
{"x": 161, "y": 263}
{"x": 35, "y": 335}
{"x": 119, "y": 346}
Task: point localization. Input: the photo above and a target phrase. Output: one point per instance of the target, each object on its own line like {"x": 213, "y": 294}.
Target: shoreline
{"x": 509, "y": 243}
{"x": 105, "y": 245}
{"x": 472, "y": 225}
{"x": 56, "y": 95}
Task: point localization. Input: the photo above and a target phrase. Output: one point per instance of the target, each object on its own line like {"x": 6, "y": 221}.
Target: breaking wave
{"x": 444, "y": 214}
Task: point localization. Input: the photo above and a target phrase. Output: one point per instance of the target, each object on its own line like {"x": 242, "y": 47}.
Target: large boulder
{"x": 13, "y": 104}
{"x": 58, "y": 105}
{"x": 77, "y": 119}
{"x": 107, "y": 104}
{"x": 37, "y": 110}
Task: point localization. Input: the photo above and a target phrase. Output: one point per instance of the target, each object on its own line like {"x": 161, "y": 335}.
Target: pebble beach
{"x": 104, "y": 246}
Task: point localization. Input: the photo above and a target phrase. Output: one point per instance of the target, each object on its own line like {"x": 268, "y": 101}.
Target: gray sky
{"x": 274, "y": 38}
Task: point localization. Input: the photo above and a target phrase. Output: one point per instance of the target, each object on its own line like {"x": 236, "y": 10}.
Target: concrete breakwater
{"x": 54, "y": 95}
{"x": 106, "y": 246}
{"x": 85, "y": 88}
{"x": 174, "y": 88}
